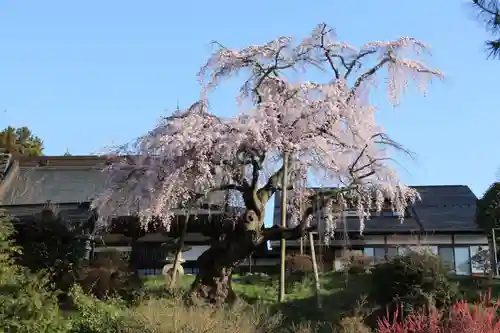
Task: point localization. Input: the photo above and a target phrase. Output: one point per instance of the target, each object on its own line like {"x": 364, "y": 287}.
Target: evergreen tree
{"x": 20, "y": 141}
{"x": 489, "y": 12}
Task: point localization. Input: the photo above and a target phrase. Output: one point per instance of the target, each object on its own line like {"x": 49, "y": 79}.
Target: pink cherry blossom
{"x": 328, "y": 128}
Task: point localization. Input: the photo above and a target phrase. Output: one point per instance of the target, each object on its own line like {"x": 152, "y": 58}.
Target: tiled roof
{"x": 445, "y": 208}
{"x": 60, "y": 179}
{"x": 55, "y": 179}
{"x": 65, "y": 181}
{"x": 32, "y": 181}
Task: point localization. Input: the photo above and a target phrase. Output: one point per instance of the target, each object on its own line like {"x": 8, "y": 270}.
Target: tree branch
{"x": 276, "y": 232}
{"x": 272, "y": 185}
{"x": 256, "y": 167}
{"x": 366, "y": 75}
{"x": 326, "y": 52}
{"x": 355, "y": 61}
{"x": 489, "y": 11}
{"x": 266, "y": 72}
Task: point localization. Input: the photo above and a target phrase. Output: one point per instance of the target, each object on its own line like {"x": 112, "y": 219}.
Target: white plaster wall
{"x": 195, "y": 252}
{"x": 435, "y": 239}
{"x": 371, "y": 239}
{"x": 374, "y": 239}
{"x": 402, "y": 239}
{"x": 471, "y": 239}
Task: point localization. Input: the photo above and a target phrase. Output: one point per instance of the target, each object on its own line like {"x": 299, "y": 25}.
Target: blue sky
{"x": 86, "y": 74}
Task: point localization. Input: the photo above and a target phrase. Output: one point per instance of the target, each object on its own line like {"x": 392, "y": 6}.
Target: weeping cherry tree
{"x": 327, "y": 128}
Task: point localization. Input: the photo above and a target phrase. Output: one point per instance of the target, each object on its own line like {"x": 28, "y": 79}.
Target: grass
{"x": 342, "y": 296}
{"x": 263, "y": 289}
{"x": 162, "y": 311}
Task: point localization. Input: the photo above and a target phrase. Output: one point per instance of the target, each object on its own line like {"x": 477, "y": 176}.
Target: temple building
{"x": 68, "y": 183}
{"x": 443, "y": 222}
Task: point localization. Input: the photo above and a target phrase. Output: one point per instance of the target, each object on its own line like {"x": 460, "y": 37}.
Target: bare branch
{"x": 365, "y": 76}
{"x": 327, "y": 197}
{"x": 277, "y": 233}
{"x": 256, "y": 167}
{"x": 356, "y": 61}
{"x": 326, "y": 52}
{"x": 272, "y": 185}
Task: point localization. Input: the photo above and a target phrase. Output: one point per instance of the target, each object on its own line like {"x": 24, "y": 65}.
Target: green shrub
{"x": 25, "y": 303}
{"x": 416, "y": 280}
{"x": 92, "y": 315}
{"x": 359, "y": 265}
{"x": 298, "y": 268}
{"x": 48, "y": 243}
{"x": 299, "y": 263}
{"x": 109, "y": 275}
{"x": 356, "y": 263}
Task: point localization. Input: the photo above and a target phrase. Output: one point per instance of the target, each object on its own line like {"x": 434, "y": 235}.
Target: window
{"x": 369, "y": 252}
{"x": 433, "y": 249}
{"x": 466, "y": 260}
{"x": 376, "y": 253}
{"x": 149, "y": 272}
{"x": 480, "y": 259}
{"x": 192, "y": 271}
{"x": 379, "y": 254}
{"x": 402, "y": 251}
{"x": 422, "y": 248}
{"x": 462, "y": 261}
{"x": 392, "y": 252}
{"x": 426, "y": 248}
{"x": 447, "y": 257}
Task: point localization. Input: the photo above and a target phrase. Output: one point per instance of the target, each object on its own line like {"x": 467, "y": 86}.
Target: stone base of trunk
{"x": 213, "y": 287}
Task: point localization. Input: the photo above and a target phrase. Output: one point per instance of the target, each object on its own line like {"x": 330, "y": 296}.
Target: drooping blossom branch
{"x": 328, "y": 128}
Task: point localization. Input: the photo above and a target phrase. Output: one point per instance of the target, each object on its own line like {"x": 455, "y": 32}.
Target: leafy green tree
{"x": 489, "y": 12}
{"x": 20, "y": 141}
{"x": 488, "y": 208}
{"x": 52, "y": 244}
{"x": 488, "y": 212}
{"x": 25, "y": 303}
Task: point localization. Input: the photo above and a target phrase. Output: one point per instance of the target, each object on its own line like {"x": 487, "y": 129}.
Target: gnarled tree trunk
{"x": 213, "y": 281}
{"x": 240, "y": 240}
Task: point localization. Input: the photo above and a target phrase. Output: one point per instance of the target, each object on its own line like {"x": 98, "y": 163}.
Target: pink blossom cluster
{"x": 328, "y": 128}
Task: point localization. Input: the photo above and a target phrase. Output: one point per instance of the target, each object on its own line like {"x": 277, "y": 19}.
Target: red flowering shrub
{"x": 461, "y": 318}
